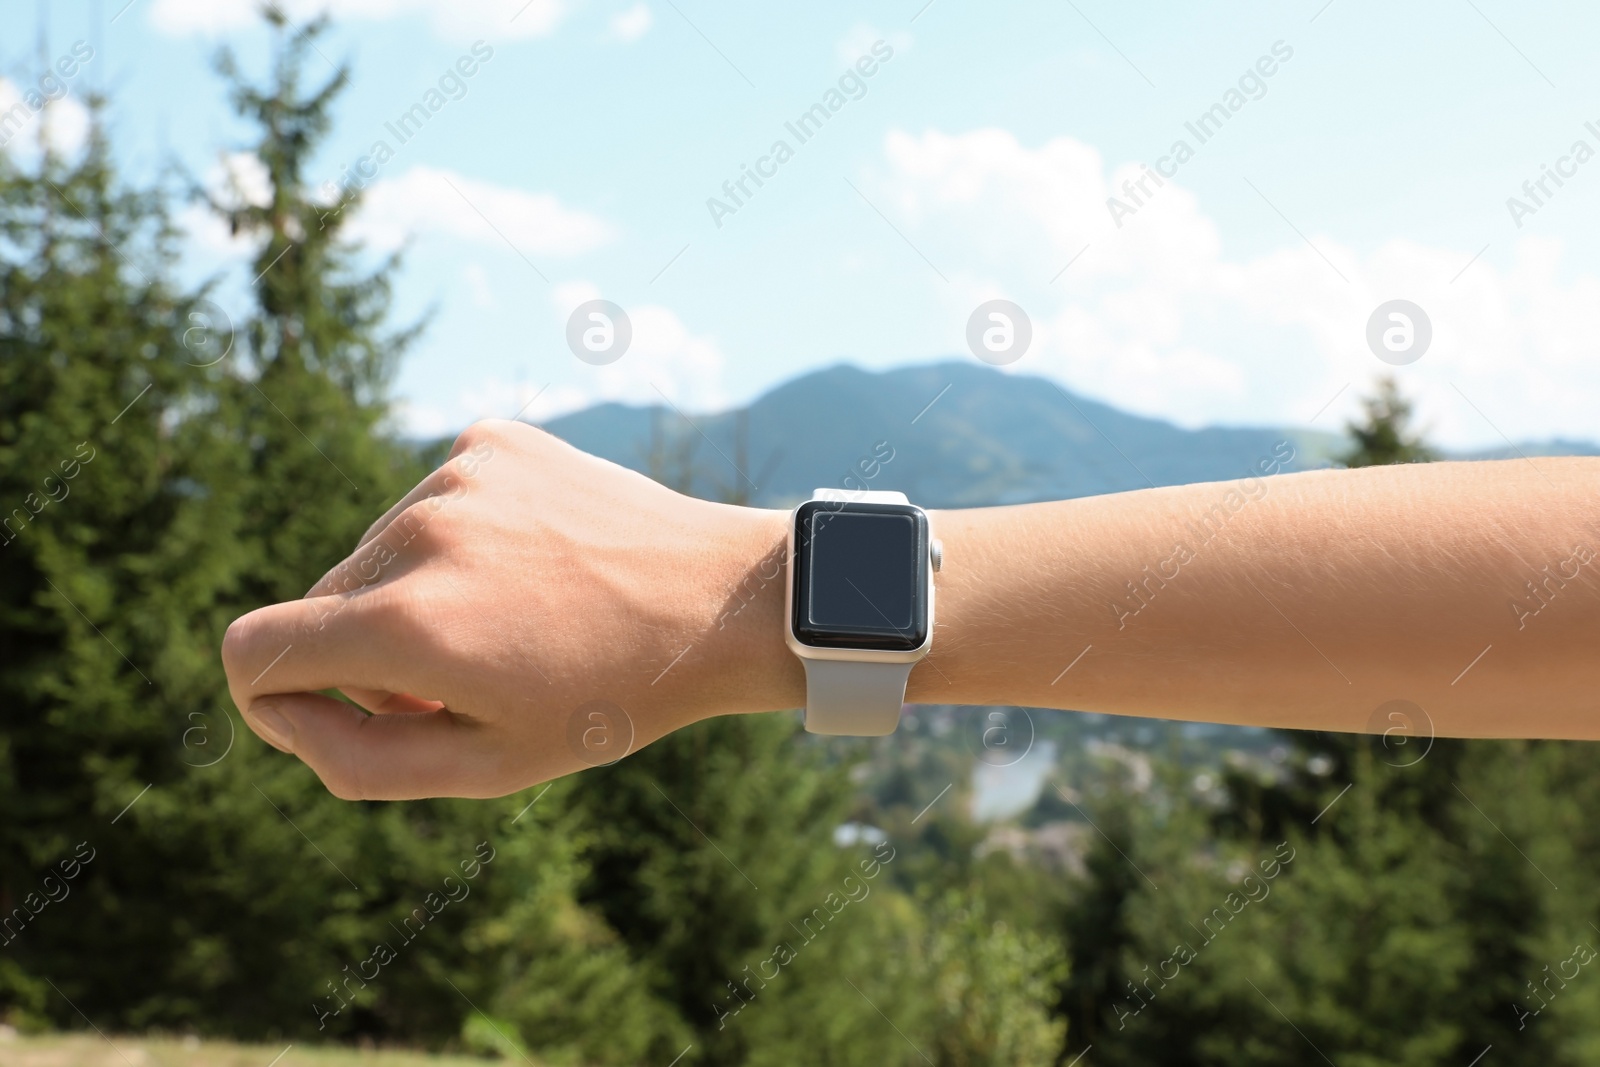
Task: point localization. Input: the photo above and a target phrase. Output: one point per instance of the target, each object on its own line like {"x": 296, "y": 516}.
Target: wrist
{"x": 748, "y": 666}
{"x": 938, "y": 677}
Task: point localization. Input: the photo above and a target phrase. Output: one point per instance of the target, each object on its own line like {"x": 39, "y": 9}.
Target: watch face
{"x": 861, "y": 575}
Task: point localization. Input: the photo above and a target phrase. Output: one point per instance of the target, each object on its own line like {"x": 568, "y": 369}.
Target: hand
{"x": 524, "y": 612}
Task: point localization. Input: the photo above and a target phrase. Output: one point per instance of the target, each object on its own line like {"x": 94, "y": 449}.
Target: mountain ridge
{"x": 955, "y": 434}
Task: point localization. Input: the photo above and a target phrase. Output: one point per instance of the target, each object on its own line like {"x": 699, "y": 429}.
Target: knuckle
{"x": 399, "y": 619}
{"x": 482, "y": 438}
{"x": 341, "y": 782}
{"x": 467, "y": 438}
{"x": 421, "y": 526}
{"x": 451, "y": 481}
{"x": 374, "y": 530}
{"x": 340, "y": 578}
{"x": 340, "y": 768}
{"x": 483, "y": 432}
{"x": 236, "y": 644}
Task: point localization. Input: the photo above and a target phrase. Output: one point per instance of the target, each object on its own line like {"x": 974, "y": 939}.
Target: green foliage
{"x": 1385, "y": 436}
{"x": 161, "y": 489}
{"x": 992, "y": 990}
{"x": 160, "y": 868}
{"x": 318, "y": 357}
{"x": 711, "y": 854}
{"x": 1420, "y": 901}
{"x": 710, "y": 849}
{"x": 1400, "y": 928}
{"x": 154, "y": 499}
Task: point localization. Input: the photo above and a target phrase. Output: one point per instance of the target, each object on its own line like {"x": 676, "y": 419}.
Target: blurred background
{"x": 257, "y": 267}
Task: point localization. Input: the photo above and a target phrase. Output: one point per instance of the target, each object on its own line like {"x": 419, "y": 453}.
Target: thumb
{"x": 397, "y": 756}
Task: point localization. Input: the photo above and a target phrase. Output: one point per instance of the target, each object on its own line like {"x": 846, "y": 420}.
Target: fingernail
{"x": 269, "y": 722}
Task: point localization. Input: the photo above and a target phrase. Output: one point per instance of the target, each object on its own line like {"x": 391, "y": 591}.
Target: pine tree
{"x": 714, "y": 846}
{"x": 1388, "y": 942}
{"x": 1095, "y": 925}
{"x": 711, "y": 848}
{"x": 114, "y": 544}
{"x": 158, "y": 484}
{"x": 315, "y": 356}
{"x": 1385, "y": 436}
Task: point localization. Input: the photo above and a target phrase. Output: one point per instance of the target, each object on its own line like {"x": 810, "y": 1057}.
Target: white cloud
{"x": 423, "y": 201}
{"x": 236, "y": 179}
{"x": 426, "y": 200}
{"x": 63, "y": 122}
{"x": 478, "y": 285}
{"x": 240, "y": 178}
{"x": 453, "y": 19}
{"x": 208, "y": 17}
{"x": 859, "y": 41}
{"x": 490, "y": 398}
{"x": 66, "y": 125}
{"x": 664, "y": 358}
{"x": 632, "y": 24}
{"x": 1156, "y": 318}
{"x": 487, "y": 398}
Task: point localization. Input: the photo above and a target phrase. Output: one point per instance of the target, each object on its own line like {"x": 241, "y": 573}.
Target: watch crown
{"x": 936, "y": 553}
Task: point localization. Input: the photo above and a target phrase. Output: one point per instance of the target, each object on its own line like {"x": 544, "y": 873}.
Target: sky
{"x": 1357, "y": 153}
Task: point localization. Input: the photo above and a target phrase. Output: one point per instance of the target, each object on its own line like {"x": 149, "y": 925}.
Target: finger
{"x": 472, "y": 447}
{"x": 407, "y": 517}
{"x": 383, "y": 702}
{"x": 445, "y": 480}
{"x": 380, "y": 757}
{"x": 371, "y": 641}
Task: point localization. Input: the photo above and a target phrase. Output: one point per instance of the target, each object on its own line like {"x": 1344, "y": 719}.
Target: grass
{"x": 91, "y": 1050}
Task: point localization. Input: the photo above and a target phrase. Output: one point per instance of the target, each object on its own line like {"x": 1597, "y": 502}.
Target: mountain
{"x": 1559, "y": 446}
{"x": 963, "y": 434}
{"x": 959, "y": 434}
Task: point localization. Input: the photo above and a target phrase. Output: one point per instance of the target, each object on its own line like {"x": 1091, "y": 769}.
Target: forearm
{"x": 529, "y": 610}
{"x": 1303, "y": 600}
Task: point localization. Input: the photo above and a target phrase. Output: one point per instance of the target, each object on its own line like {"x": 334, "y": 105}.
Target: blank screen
{"x": 863, "y": 570}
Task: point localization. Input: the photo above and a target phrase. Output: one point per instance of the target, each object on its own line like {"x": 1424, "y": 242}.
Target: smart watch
{"x": 859, "y": 606}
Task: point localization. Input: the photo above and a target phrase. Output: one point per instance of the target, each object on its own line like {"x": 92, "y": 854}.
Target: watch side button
{"x": 936, "y": 553}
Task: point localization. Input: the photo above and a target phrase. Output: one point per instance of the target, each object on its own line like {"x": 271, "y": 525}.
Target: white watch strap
{"x": 859, "y": 496}
{"x": 854, "y": 698}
